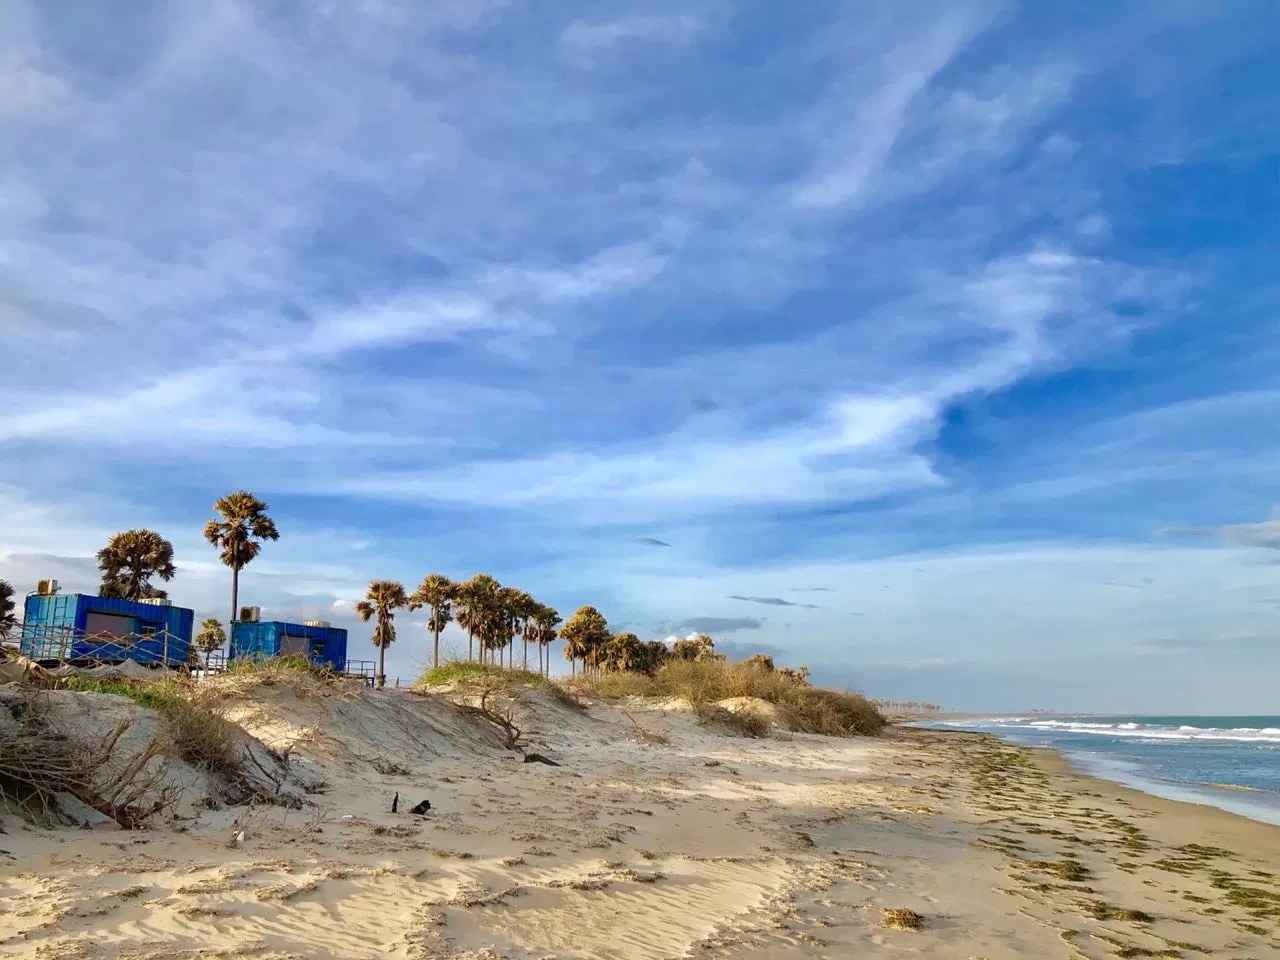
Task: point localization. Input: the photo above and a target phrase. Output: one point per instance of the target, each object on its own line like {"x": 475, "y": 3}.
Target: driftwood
{"x": 539, "y": 758}
{"x": 504, "y": 720}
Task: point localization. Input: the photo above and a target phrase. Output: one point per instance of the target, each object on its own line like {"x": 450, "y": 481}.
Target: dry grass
{"x": 466, "y": 673}
{"x": 648, "y": 736}
{"x": 201, "y": 736}
{"x": 800, "y": 707}
{"x": 900, "y": 918}
{"x": 746, "y": 722}
{"x": 38, "y": 764}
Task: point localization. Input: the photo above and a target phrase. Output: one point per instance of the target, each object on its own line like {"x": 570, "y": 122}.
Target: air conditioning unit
{"x": 315, "y": 623}
{"x": 250, "y": 614}
{"x": 157, "y": 601}
{"x": 47, "y": 588}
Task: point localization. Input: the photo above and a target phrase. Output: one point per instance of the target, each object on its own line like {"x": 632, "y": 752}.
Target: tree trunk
{"x": 470, "y": 643}
{"x": 382, "y": 673}
{"x": 526, "y": 653}
{"x": 435, "y": 654}
{"x": 235, "y": 594}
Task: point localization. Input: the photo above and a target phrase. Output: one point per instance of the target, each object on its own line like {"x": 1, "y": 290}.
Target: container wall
{"x": 49, "y": 626}
{"x": 274, "y": 638}
{"x": 335, "y": 648}
{"x": 254, "y": 641}
{"x": 80, "y": 626}
{"x": 161, "y": 635}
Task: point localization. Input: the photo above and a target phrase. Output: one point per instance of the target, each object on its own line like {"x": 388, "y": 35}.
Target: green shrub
{"x": 470, "y": 673}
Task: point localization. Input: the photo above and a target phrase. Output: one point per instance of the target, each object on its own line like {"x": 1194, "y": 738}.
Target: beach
{"x": 654, "y": 837}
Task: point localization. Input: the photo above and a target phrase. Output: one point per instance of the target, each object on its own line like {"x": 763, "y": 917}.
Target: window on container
{"x": 291, "y": 643}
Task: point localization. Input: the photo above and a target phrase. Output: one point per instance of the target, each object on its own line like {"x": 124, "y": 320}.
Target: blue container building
{"x": 77, "y": 626}
{"x": 317, "y": 641}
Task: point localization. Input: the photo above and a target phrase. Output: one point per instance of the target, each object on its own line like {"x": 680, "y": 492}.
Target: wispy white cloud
{"x": 506, "y": 283}
{"x": 596, "y": 36}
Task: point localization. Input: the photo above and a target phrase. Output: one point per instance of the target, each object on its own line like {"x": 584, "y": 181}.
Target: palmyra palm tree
{"x": 523, "y": 609}
{"x": 129, "y": 561}
{"x": 584, "y": 636}
{"x": 437, "y": 592}
{"x": 8, "y": 617}
{"x": 513, "y": 610}
{"x": 651, "y": 656}
{"x": 210, "y": 637}
{"x": 382, "y": 601}
{"x": 546, "y": 621}
{"x": 622, "y": 653}
{"x": 475, "y": 603}
{"x": 239, "y": 535}
{"x": 699, "y": 647}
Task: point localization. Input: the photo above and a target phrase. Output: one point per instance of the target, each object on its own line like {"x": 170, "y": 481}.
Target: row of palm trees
{"x": 493, "y": 615}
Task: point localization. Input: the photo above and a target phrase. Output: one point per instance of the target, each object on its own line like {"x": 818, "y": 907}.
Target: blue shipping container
{"x": 77, "y": 626}
{"x": 273, "y": 638}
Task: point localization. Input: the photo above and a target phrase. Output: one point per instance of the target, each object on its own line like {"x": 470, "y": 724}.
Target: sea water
{"x": 1228, "y": 762}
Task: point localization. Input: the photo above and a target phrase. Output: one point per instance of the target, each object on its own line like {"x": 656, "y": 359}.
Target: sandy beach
{"x": 656, "y": 837}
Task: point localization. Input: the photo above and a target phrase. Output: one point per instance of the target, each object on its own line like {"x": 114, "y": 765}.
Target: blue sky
{"x": 933, "y": 345}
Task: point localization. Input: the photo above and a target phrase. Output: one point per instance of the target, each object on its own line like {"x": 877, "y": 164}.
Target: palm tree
{"x": 653, "y": 654}
{"x": 210, "y": 637}
{"x": 475, "y": 602}
{"x": 622, "y": 653}
{"x": 129, "y": 561}
{"x": 239, "y": 535}
{"x": 513, "y": 610}
{"x": 545, "y": 620}
{"x": 382, "y": 601}
{"x": 8, "y": 616}
{"x": 584, "y": 635}
{"x": 524, "y": 608}
{"x": 699, "y": 648}
{"x": 437, "y": 592}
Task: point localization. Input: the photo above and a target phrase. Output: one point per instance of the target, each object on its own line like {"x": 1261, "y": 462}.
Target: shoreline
{"x": 1169, "y": 878}
{"x": 1261, "y": 806}
{"x": 1059, "y": 764}
{"x": 1225, "y": 797}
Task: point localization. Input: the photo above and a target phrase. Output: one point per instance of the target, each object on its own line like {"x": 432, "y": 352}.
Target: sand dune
{"x": 704, "y": 844}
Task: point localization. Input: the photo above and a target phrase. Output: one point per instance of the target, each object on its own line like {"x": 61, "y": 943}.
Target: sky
{"x": 931, "y": 345}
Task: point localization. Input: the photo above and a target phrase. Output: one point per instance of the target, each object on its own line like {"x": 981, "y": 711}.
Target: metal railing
{"x": 50, "y": 645}
{"x": 218, "y": 661}
{"x": 58, "y": 646}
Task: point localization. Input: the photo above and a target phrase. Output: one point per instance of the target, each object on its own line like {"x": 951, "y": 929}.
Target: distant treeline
{"x": 907, "y": 706}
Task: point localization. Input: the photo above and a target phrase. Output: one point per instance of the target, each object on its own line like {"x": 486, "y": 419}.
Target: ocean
{"x": 1232, "y": 763}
